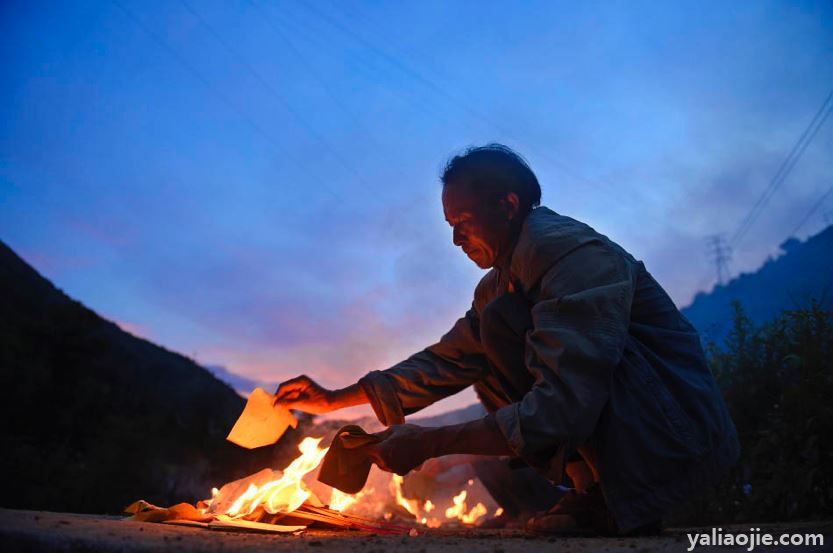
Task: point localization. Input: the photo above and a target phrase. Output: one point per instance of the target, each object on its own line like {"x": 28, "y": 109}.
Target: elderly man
{"x": 576, "y": 352}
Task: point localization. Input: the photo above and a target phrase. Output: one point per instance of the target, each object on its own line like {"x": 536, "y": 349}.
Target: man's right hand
{"x": 304, "y": 394}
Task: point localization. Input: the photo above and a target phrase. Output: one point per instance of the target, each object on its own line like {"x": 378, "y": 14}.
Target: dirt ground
{"x": 44, "y": 531}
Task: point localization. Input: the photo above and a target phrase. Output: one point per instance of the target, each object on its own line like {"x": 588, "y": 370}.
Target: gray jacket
{"x": 616, "y": 367}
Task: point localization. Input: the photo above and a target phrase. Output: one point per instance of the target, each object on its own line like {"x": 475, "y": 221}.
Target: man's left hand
{"x": 403, "y": 448}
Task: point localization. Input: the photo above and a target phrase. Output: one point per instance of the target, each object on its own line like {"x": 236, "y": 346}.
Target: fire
{"x": 281, "y": 495}
{"x": 410, "y": 505}
{"x": 476, "y": 512}
{"x": 340, "y": 501}
{"x": 458, "y": 511}
{"x": 274, "y": 491}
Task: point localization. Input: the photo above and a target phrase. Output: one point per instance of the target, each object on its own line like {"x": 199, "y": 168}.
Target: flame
{"x": 459, "y": 506}
{"x": 284, "y": 491}
{"x": 476, "y": 512}
{"x": 498, "y": 511}
{"x": 285, "y": 494}
{"x": 340, "y": 501}
{"x": 459, "y": 512}
{"x": 409, "y": 505}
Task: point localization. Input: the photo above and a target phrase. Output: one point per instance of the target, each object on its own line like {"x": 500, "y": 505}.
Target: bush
{"x": 778, "y": 385}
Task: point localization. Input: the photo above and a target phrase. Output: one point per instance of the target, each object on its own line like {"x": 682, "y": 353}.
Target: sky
{"x": 255, "y": 184}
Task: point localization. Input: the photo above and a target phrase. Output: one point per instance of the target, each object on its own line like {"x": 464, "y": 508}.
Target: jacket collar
{"x": 503, "y": 264}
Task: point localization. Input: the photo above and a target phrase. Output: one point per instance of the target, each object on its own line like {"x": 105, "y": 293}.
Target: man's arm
{"x": 304, "y": 394}
{"x": 443, "y": 369}
{"x": 407, "y": 446}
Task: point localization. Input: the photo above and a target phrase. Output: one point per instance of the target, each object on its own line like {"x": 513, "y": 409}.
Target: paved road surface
{"x": 44, "y": 531}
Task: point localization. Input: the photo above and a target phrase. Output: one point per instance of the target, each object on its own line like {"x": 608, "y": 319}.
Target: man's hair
{"x": 493, "y": 171}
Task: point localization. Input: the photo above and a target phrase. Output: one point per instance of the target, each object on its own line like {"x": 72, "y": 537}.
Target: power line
{"x": 785, "y": 168}
{"x": 308, "y": 66}
{"x": 324, "y": 39}
{"x": 813, "y": 209}
{"x": 721, "y": 254}
{"x": 279, "y": 97}
{"x": 442, "y": 92}
{"x": 223, "y": 97}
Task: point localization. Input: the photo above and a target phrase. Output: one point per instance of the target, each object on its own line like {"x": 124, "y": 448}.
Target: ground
{"x": 44, "y": 531}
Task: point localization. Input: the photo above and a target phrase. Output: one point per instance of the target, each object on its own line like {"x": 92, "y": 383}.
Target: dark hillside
{"x": 94, "y": 417}
{"x": 803, "y": 273}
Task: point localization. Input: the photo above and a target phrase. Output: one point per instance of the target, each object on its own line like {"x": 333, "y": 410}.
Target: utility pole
{"x": 720, "y": 254}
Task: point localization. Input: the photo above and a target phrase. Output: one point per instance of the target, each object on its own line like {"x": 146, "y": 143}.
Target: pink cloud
{"x": 51, "y": 263}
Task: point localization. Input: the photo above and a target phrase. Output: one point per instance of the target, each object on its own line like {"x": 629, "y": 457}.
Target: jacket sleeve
{"x": 580, "y": 324}
{"x": 441, "y": 370}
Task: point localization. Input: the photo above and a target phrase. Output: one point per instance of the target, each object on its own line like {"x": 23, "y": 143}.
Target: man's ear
{"x": 512, "y": 204}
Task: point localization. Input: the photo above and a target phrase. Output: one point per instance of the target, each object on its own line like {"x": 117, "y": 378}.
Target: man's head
{"x": 487, "y": 193}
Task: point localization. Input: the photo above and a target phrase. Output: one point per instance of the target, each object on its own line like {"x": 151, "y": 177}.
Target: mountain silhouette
{"x": 95, "y": 418}
{"x": 803, "y": 273}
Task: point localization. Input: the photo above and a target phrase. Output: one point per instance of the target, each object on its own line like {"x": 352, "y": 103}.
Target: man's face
{"x": 481, "y": 229}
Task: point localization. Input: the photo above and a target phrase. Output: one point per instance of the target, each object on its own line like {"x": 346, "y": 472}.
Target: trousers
{"x": 503, "y": 327}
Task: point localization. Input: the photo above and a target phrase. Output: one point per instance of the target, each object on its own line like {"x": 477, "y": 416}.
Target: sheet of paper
{"x": 226, "y": 523}
{"x": 261, "y": 423}
{"x": 194, "y": 523}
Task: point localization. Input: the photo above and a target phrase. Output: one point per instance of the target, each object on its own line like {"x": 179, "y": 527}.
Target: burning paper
{"x": 274, "y": 491}
{"x": 261, "y": 422}
{"x": 143, "y": 511}
{"x": 281, "y": 501}
{"x": 223, "y": 500}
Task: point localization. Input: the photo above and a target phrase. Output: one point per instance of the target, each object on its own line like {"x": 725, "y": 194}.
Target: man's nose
{"x": 456, "y": 237}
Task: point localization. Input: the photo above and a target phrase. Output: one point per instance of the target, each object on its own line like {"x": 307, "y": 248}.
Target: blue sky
{"x": 254, "y": 184}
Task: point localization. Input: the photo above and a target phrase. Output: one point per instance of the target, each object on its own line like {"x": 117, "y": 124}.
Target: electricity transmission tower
{"x": 720, "y": 254}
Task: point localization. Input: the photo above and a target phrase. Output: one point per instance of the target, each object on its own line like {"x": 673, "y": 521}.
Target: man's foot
{"x": 582, "y": 514}
{"x": 578, "y": 513}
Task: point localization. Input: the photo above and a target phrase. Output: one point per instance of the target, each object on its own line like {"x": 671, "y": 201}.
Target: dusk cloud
{"x": 296, "y": 227}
